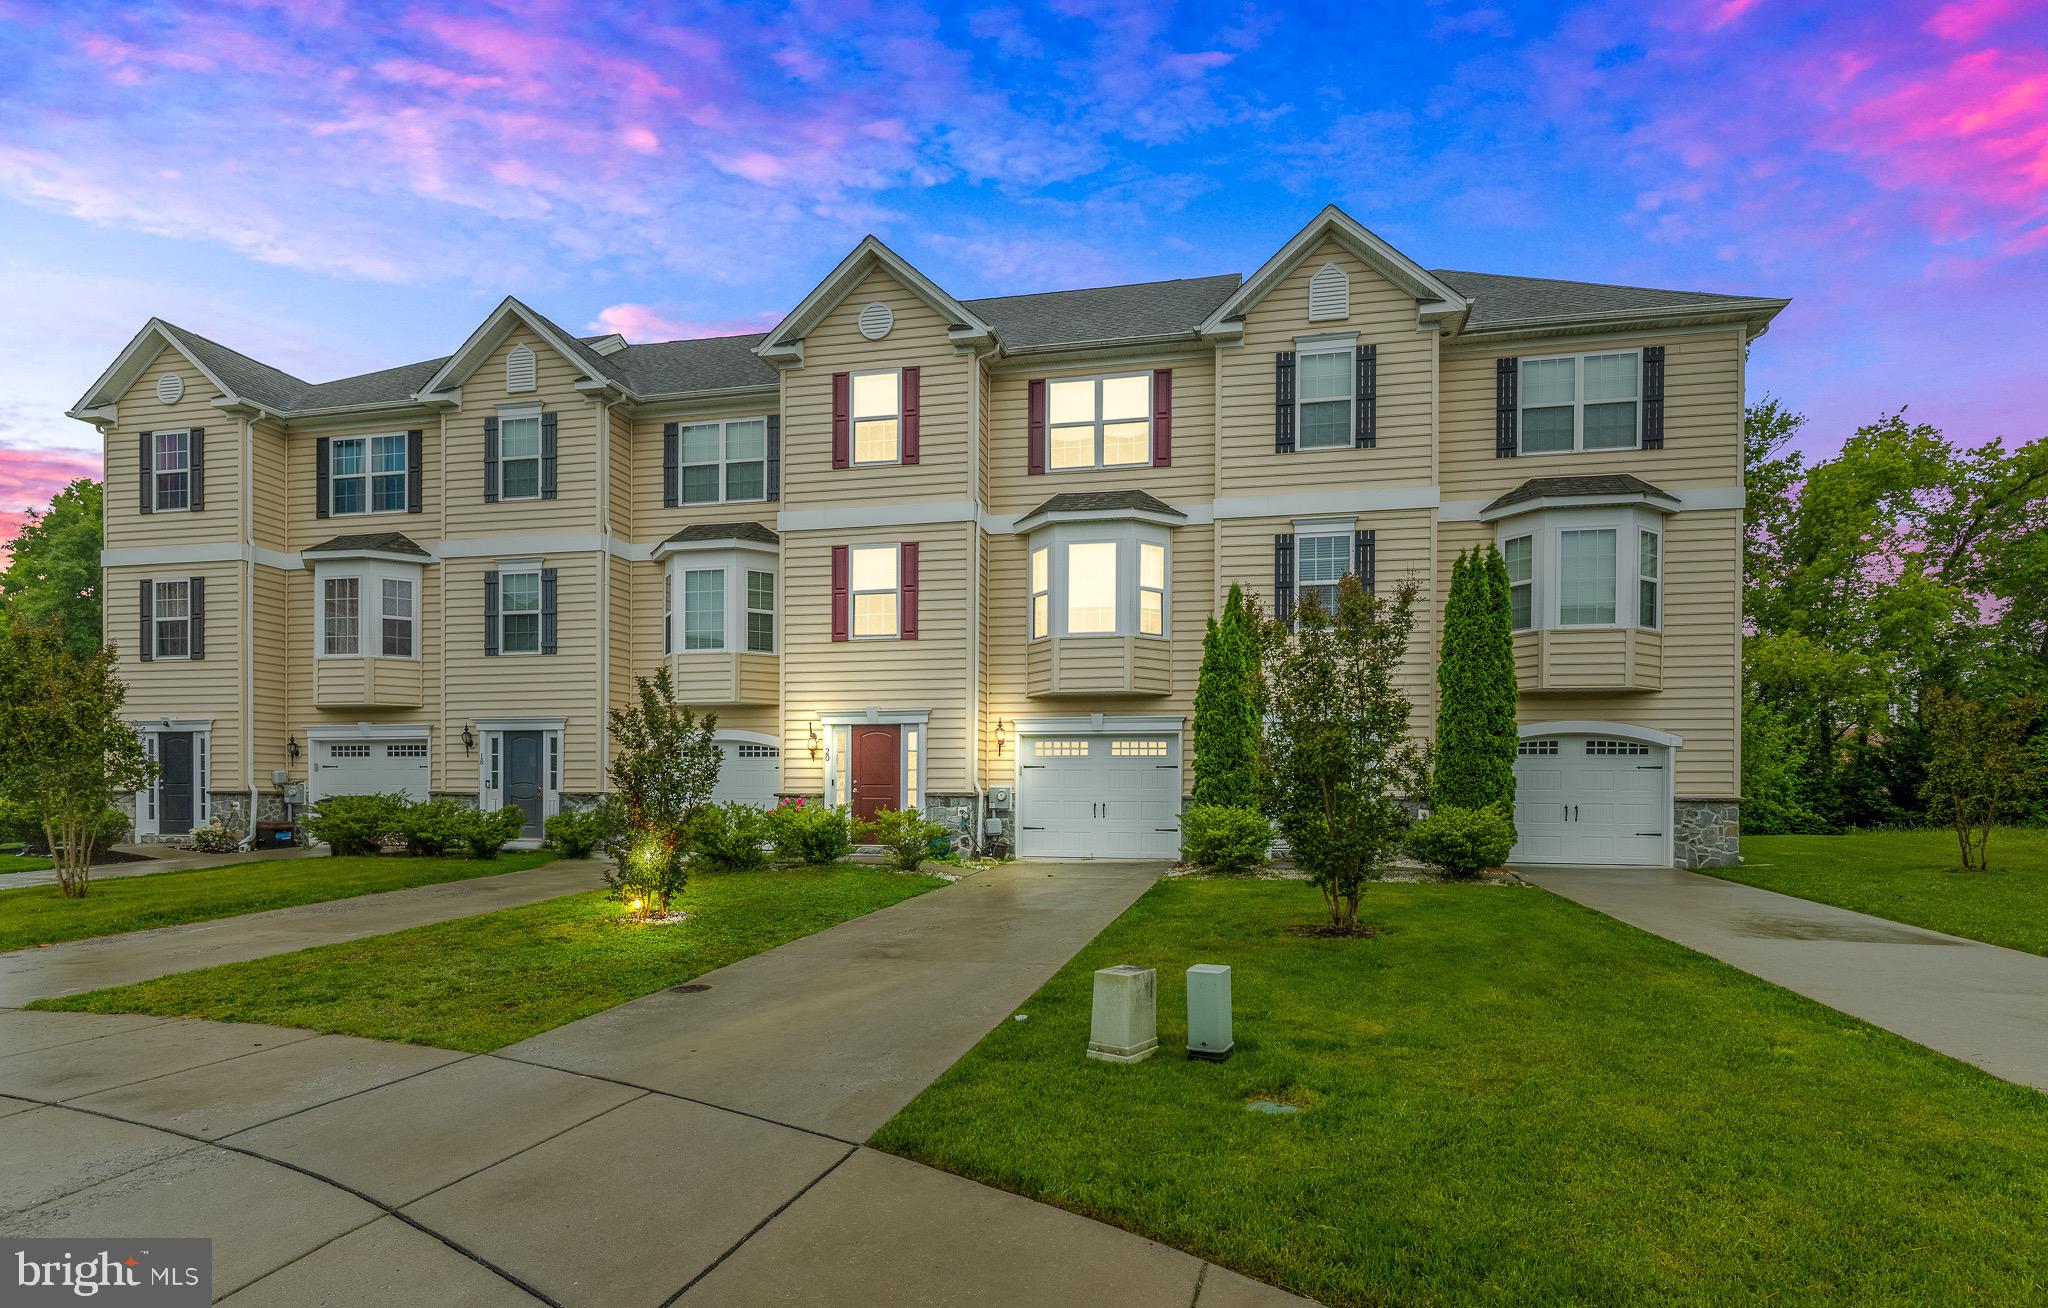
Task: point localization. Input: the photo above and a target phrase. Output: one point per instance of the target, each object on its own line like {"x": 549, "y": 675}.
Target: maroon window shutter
{"x": 842, "y": 421}
{"x": 1162, "y": 418}
{"x": 907, "y": 582}
{"x": 910, "y": 380}
{"x": 839, "y": 590}
{"x": 1034, "y": 405}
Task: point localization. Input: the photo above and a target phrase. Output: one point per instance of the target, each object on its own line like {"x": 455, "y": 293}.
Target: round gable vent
{"x": 876, "y": 320}
{"x": 170, "y": 388}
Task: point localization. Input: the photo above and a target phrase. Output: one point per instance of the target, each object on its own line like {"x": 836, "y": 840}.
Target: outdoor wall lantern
{"x": 999, "y": 735}
{"x": 468, "y": 739}
{"x": 812, "y": 741}
{"x": 291, "y": 747}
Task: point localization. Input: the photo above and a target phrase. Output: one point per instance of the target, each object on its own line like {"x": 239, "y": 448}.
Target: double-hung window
{"x": 519, "y": 462}
{"x": 1041, "y": 592}
{"x": 1319, "y": 563}
{"x": 1099, "y": 422}
{"x": 1326, "y": 378}
{"x": 1091, "y": 587}
{"x": 1586, "y": 577}
{"x": 1520, "y": 554}
{"x": 1649, "y": 577}
{"x": 873, "y": 585}
{"x": 724, "y": 461}
{"x": 877, "y": 416}
{"x": 519, "y": 612}
{"x": 1581, "y": 402}
{"x": 341, "y": 616}
{"x": 367, "y": 474}
{"x": 704, "y": 608}
{"x": 171, "y": 467}
{"x": 398, "y": 618}
{"x": 760, "y": 612}
{"x": 171, "y": 614}
{"x": 1151, "y": 589}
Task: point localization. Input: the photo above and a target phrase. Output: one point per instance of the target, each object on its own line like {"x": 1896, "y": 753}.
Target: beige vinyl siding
{"x": 651, "y": 521}
{"x": 619, "y": 505}
{"x": 127, "y": 526}
{"x": 835, "y": 345}
{"x": 1189, "y": 479}
{"x": 1383, "y": 316}
{"x": 208, "y": 688}
{"x": 622, "y": 663}
{"x": 821, "y": 674}
{"x": 1702, "y": 417}
{"x": 574, "y": 507}
{"x": 271, "y": 512}
{"x": 302, "y": 454}
{"x": 270, "y": 642}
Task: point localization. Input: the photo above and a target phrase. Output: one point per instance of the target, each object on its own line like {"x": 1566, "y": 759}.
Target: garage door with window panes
{"x": 1099, "y": 796}
{"x": 1592, "y": 799}
{"x": 370, "y": 767}
{"x": 748, "y": 773}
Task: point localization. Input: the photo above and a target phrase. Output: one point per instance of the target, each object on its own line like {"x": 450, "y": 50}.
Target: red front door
{"x": 877, "y": 770}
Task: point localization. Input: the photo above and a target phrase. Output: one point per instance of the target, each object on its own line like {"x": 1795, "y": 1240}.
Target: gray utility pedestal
{"x": 1209, "y": 1012}
{"x": 1125, "y": 1028}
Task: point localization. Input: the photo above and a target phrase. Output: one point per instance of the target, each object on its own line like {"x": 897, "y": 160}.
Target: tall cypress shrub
{"x": 1227, "y": 707}
{"x": 1475, "y": 677}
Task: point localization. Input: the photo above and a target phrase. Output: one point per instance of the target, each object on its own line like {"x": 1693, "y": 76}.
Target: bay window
{"x": 1099, "y": 422}
{"x": 365, "y": 605}
{"x": 1151, "y": 589}
{"x": 1041, "y": 592}
{"x": 704, "y": 608}
{"x": 341, "y": 624}
{"x": 1584, "y": 567}
{"x": 1519, "y": 551}
{"x": 719, "y": 598}
{"x": 1098, "y": 579}
{"x": 398, "y": 618}
{"x": 760, "y": 612}
{"x": 1649, "y": 576}
{"x": 1091, "y": 588}
{"x": 1585, "y": 578}
{"x": 1580, "y": 402}
{"x": 877, "y": 416}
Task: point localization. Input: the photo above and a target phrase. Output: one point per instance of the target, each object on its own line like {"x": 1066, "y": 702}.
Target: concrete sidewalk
{"x": 78, "y": 965}
{"x": 1977, "y": 1002}
{"x": 690, "y": 1148}
{"x": 160, "y": 858}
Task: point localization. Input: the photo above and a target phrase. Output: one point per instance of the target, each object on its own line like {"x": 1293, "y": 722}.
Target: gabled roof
{"x": 382, "y": 542}
{"x": 1334, "y": 224}
{"x": 1500, "y": 301}
{"x": 234, "y": 374}
{"x": 1136, "y": 311}
{"x": 1604, "y": 486}
{"x": 491, "y": 333}
{"x": 782, "y": 342}
{"x": 1116, "y": 501}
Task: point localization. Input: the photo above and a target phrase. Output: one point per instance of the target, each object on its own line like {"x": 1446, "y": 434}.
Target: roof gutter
{"x": 1720, "y": 311}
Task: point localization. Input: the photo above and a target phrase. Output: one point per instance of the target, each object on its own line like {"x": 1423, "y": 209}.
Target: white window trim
{"x": 491, "y": 743}
{"x": 1546, "y": 563}
{"x": 839, "y": 751}
{"x": 1037, "y": 630}
{"x": 369, "y": 477}
{"x": 148, "y": 800}
{"x": 1348, "y": 535}
{"x": 724, "y": 461}
{"x": 1578, "y": 403}
{"x": 1656, "y": 583}
{"x": 156, "y": 504}
{"x": 853, "y": 595}
{"x": 1127, "y": 536}
{"x": 1305, "y": 346}
{"x": 157, "y": 622}
{"x": 1513, "y": 585}
{"x": 735, "y": 560}
{"x": 854, "y": 417}
{"x": 370, "y": 576}
{"x": 517, "y": 413}
{"x": 699, "y": 567}
{"x": 539, "y": 608}
{"x": 744, "y": 615}
{"x": 1097, "y": 462}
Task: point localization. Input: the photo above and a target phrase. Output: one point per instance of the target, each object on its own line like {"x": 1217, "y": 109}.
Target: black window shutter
{"x": 490, "y": 613}
{"x": 547, "y": 610}
{"x": 1283, "y": 578}
{"x": 198, "y": 617}
{"x": 1368, "y": 433}
{"x": 491, "y": 464}
{"x": 1283, "y": 401}
{"x": 1653, "y": 397}
{"x": 669, "y": 438}
{"x": 774, "y": 456}
{"x": 147, "y": 465}
{"x": 415, "y": 471}
{"x": 148, "y": 616}
{"x": 1365, "y": 559}
{"x": 321, "y": 472}
{"x": 197, "y": 446}
{"x": 547, "y": 456}
{"x": 1505, "y": 443}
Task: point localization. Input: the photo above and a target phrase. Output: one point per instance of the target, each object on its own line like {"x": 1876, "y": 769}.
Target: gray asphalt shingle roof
{"x": 710, "y": 531}
{"x": 243, "y": 375}
{"x": 1103, "y": 502}
{"x": 1568, "y": 488}
{"x": 391, "y": 542}
{"x": 718, "y": 363}
{"x": 1501, "y": 300}
{"x": 1105, "y": 313}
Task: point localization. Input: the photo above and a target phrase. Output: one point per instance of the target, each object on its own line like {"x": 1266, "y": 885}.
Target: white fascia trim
{"x": 875, "y": 717}
{"x": 370, "y": 731}
{"x": 1037, "y": 520}
{"x": 1590, "y": 727}
{"x": 1747, "y": 311}
{"x": 1383, "y": 258}
{"x": 172, "y": 724}
{"x": 477, "y": 348}
{"x": 1391, "y": 499}
{"x": 1689, "y": 501}
{"x": 316, "y": 557}
{"x": 1098, "y": 723}
{"x": 669, "y": 547}
{"x": 779, "y": 345}
{"x": 481, "y": 725}
{"x": 216, "y": 552}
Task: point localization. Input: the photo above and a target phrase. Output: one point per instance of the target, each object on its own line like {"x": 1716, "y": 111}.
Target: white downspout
{"x": 604, "y": 597}
{"x": 248, "y": 498}
{"x": 978, "y": 615}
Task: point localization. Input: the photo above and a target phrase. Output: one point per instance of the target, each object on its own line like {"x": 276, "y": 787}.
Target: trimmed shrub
{"x": 733, "y": 838}
{"x": 356, "y": 824}
{"x": 578, "y": 834}
{"x": 433, "y": 827}
{"x": 215, "y": 838}
{"x": 1223, "y": 838}
{"x": 905, "y": 835}
{"x": 1475, "y": 676}
{"x": 1462, "y": 841}
{"x": 810, "y": 834}
{"x": 112, "y": 830}
{"x": 487, "y": 833}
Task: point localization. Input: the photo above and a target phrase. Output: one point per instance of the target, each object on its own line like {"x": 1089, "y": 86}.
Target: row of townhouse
{"x": 914, "y": 550}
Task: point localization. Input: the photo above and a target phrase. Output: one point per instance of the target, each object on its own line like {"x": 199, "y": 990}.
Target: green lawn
{"x": 41, "y": 915}
{"x": 21, "y": 863}
{"x": 1913, "y": 876}
{"x": 1507, "y": 1099}
{"x": 480, "y": 983}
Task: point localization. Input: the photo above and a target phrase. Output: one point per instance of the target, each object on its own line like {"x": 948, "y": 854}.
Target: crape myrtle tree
{"x": 65, "y": 752}
{"x": 1229, "y": 703}
{"x": 1475, "y": 677}
{"x": 664, "y": 766}
{"x": 1337, "y": 751}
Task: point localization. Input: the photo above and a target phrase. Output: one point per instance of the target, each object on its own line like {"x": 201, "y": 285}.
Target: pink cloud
{"x": 641, "y": 323}
{"x": 28, "y": 480}
{"x": 1976, "y": 127}
{"x": 1966, "y": 20}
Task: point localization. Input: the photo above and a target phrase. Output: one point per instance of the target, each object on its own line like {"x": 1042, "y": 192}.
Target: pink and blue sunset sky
{"x": 335, "y": 187}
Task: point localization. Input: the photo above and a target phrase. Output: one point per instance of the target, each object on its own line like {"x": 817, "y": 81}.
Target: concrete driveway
{"x": 1977, "y": 1002}
{"x": 697, "y": 1147}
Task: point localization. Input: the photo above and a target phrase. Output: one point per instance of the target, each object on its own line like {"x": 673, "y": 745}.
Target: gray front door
{"x": 174, "y": 783}
{"x": 523, "y": 777}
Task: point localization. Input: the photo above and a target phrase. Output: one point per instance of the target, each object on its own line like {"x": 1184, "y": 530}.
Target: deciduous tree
{"x": 53, "y": 569}
{"x": 664, "y": 766}
{"x": 1981, "y": 766}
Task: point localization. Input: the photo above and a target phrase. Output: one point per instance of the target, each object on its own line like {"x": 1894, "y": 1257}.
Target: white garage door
{"x": 1592, "y": 799}
{"x": 1107, "y": 796}
{"x": 370, "y": 767}
{"x": 750, "y": 774}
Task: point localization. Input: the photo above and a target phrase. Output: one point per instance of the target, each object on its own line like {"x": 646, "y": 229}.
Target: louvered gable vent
{"x": 1329, "y": 294}
{"x": 520, "y": 374}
